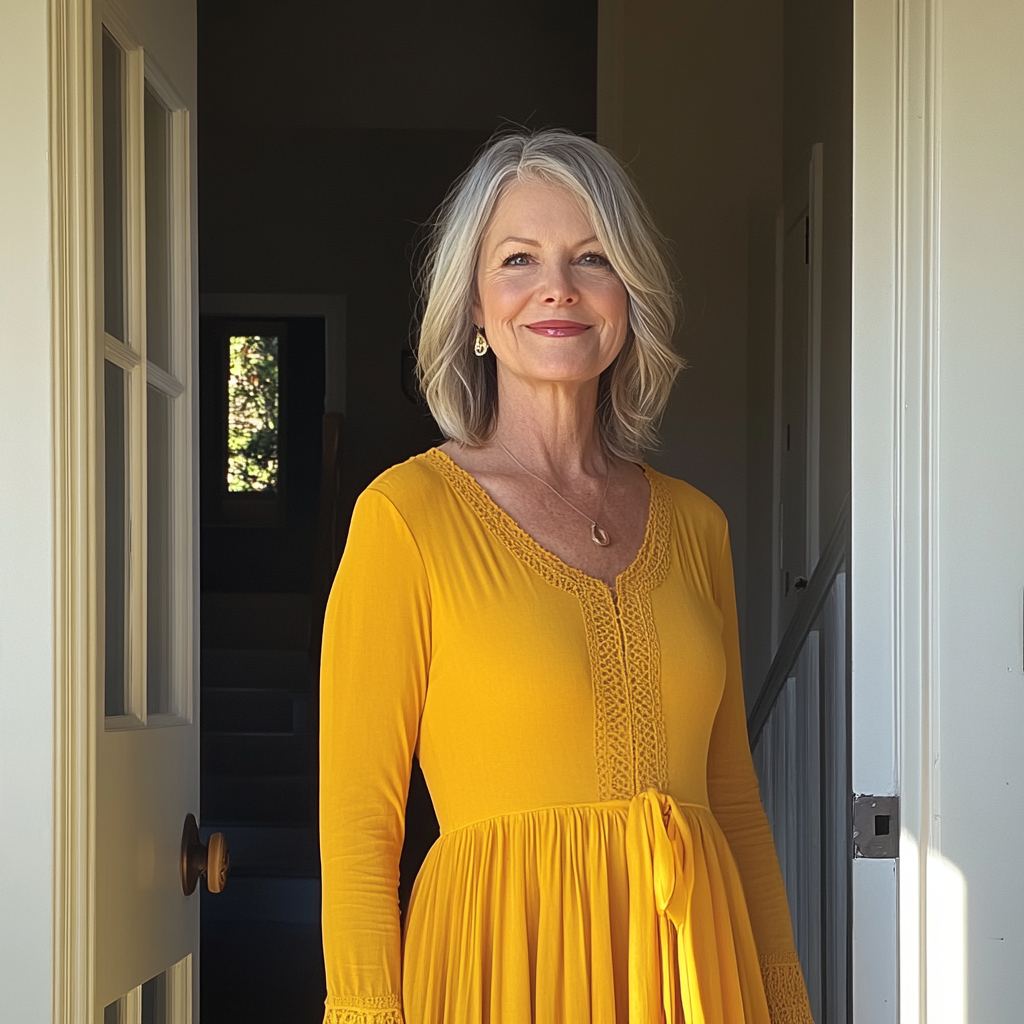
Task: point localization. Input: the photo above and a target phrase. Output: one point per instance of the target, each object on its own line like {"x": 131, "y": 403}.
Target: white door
{"x": 146, "y": 929}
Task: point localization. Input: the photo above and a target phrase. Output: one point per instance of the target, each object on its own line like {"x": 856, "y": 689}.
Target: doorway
{"x": 905, "y": 105}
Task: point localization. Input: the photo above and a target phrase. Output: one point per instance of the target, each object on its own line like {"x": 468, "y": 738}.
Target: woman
{"x": 550, "y": 625}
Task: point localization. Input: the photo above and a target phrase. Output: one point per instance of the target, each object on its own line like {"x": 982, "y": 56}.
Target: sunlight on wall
{"x": 947, "y": 941}
{"x": 910, "y": 927}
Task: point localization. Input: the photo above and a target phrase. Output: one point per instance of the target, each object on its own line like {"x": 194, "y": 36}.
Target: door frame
{"x": 895, "y": 343}
{"x": 73, "y": 308}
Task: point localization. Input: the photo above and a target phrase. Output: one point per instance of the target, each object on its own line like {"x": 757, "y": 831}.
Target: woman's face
{"x": 551, "y": 306}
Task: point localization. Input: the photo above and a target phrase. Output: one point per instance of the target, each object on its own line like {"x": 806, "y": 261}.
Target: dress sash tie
{"x": 689, "y": 932}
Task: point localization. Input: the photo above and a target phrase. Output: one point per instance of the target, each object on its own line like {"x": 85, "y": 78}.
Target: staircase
{"x": 799, "y": 733}
{"x": 258, "y": 789}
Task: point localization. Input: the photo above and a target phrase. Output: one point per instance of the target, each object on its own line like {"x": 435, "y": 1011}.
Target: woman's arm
{"x": 736, "y": 802}
{"x": 374, "y": 663}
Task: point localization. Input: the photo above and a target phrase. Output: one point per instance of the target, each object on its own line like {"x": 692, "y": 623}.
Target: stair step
{"x": 256, "y": 800}
{"x": 226, "y": 667}
{"x": 224, "y": 754}
{"x": 254, "y": 621}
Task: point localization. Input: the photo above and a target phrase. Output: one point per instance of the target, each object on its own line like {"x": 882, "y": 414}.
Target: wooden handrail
{"x": 832, "y": 559}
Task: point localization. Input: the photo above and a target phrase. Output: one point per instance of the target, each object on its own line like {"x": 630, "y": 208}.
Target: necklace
{"x": 598, "y": 534}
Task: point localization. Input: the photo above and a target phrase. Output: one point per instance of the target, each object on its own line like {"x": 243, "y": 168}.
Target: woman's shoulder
{"x": 413, "y": 486}
{"x": 701, "y": 513}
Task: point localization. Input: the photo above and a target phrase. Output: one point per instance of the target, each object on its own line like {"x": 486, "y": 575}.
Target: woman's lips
{"x": 558, "y": 328}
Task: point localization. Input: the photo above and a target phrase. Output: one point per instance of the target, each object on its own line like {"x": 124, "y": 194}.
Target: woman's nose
{"x": 559, "y": 289}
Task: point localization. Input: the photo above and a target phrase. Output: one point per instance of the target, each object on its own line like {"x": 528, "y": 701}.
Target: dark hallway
{"x": 328, "y": 134}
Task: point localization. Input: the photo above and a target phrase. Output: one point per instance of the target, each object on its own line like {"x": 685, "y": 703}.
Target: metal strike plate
{"x": 876, "y": 826}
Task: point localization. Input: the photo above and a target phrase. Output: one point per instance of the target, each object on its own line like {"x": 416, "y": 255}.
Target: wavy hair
{"x": 460, "y": 387}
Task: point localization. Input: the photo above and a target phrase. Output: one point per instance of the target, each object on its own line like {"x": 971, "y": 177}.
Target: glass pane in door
{"x": 113, "y": 187}
{"x": 158, "y": 577}
{"x": 158, "y": 219}
{"x": 115, "y": 539}
{"x": 154, "y": 1000}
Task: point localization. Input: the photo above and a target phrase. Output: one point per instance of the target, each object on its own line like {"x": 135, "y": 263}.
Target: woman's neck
{"x": 551, "y": 427}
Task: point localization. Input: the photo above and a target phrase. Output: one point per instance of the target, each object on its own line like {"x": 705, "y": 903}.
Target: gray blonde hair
{"x": 460, "y": 387}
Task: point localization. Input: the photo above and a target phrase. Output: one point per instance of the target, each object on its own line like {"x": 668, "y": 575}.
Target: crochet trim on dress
{"x": 784, "y": 989}
{"x": 365, "y": 1010}
{"x": 622, "y": 640}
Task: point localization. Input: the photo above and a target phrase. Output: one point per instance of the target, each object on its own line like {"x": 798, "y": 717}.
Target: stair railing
{"x": 799, "y": 735}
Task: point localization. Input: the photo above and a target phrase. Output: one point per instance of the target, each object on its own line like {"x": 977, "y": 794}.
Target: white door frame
{"x": 72, "y": 191}
{"x": 938, "y": 703}
{"x": 892, "y": 341}
{"x": 897, "y": 216}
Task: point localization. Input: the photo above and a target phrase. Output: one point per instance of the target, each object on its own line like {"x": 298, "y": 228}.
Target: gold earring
{"x": 481, "y": 346}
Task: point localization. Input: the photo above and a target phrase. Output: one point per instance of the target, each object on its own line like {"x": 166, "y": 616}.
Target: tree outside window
{"x": 253, "y": 413}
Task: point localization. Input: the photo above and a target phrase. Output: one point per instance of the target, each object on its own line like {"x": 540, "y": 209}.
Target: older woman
{"x": 550, "y": 625}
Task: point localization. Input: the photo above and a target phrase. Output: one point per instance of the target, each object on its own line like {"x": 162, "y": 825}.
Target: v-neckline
{"x": 644, "y": 572}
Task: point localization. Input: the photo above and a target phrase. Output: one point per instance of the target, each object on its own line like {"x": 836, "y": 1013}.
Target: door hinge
{"x": 876, "y": 827}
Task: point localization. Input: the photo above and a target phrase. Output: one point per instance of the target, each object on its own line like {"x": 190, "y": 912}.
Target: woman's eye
{"x": 517, "y": 259}
{"x": 594, "y": 259}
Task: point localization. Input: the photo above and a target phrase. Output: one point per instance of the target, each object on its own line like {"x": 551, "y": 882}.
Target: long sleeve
{"x": 736, "y": 802}
{"x": 376, "y": 654}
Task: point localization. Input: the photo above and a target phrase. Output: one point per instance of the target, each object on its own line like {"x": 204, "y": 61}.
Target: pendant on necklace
{"x": 599, "y": 536}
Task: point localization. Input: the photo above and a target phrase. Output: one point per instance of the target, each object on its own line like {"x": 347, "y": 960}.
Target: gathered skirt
{"x": 625, "y": 912}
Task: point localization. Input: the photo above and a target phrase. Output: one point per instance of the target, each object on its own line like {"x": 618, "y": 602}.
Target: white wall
{"x": 26, "y": 569}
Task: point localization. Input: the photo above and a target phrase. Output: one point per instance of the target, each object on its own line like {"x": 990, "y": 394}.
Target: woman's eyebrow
{"x": 533, "y": 241}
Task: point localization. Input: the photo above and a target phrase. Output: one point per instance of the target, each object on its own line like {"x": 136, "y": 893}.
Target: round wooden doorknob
{"x": 211, "y": 860}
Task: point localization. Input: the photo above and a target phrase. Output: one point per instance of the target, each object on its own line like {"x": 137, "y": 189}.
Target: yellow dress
{"x": 604, "y": 856}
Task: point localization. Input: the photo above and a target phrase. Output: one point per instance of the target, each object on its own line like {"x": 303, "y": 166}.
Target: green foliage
{"x": 253, "y": 389}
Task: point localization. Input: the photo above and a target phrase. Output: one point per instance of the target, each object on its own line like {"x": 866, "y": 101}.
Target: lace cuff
{"x": 784, "y": 989}
{"x": 364, "y": 1010}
